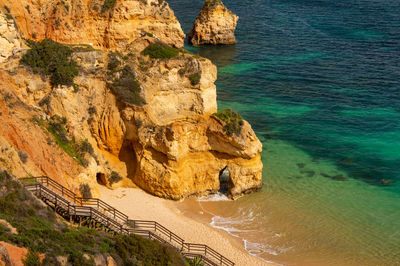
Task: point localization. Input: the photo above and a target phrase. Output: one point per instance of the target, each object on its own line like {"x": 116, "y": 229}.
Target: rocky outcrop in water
{"x": 214, "y": 25}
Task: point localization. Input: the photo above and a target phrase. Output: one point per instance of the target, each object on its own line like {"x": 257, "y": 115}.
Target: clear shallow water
{"x": 320, "y": 83}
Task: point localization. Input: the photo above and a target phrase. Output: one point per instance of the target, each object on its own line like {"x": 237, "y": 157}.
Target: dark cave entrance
{"x": 101, "y": 179}
{"x": 224, "y": 178}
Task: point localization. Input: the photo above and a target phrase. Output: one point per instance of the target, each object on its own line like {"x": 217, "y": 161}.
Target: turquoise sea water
{"x": 320, "y": 83}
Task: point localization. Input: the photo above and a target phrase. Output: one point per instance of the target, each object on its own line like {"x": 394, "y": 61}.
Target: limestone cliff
{"x": 214, "y": 25}
{"x": 106, "y": 24}
{"x": 10, "y": 41}
{"x": 146, "y": 109}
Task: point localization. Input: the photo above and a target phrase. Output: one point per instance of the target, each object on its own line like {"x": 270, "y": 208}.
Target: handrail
{"x": 205, "y": 260}
{"x": 75, "y": 209}
{"x": 98, "y": 208}
{"x": 80, "y": 200}
{"x": 156, "y": 227}
{"x": 206, "y": 250}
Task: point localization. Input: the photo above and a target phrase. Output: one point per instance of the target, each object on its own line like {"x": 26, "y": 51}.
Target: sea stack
{"x": 215, "y": 24}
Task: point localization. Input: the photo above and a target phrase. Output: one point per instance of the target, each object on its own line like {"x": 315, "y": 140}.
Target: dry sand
{"x": 189, "y": 225}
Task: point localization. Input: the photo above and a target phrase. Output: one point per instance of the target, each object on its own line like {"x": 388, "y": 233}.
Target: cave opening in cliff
{"x": 101, "y": 179}
{"x": 128, "y": 156}
{"x": 224, "y": 178}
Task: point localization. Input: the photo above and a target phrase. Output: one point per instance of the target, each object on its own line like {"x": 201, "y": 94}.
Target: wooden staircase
{"x": 99, "y": 215}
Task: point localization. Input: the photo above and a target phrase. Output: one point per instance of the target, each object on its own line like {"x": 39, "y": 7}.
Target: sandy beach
{"x": 180, "y": 217}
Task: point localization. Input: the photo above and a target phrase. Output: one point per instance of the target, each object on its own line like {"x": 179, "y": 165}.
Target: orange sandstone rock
{"x": 85, "y": 21}
{"x": 214, "y": 25}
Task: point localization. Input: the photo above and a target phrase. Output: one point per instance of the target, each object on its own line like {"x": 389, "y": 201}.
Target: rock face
{"x": 12, "y": 255}
{"x": 89, "y": 22}
{"x": 9, "y": 38}
{"x": 148, "y": 118}
{"x": 214, "y": 25}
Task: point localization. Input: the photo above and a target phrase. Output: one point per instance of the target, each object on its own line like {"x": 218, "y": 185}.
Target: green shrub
{"x": 195, "y": 78}
{"x": 114, "y": 178}
{"x": 197, "y": 261}
{"x": 39, "y": 230}
{"x": 32, "y": 259}
{"x": 52, "y": 59}
{"x": 92, "y": 110}
{"x": 76, "y": 258}
{"x": 56, "y": 126}
{"x": 85, "y": 147}
{"x": 113, "y": 62}
{"x": 147, "y": 251}
{"x": 233, "y": 121}
{"x": 23, "y": 156}
{"x": 108, "y": 4}
{"x": 127, "y": 86}
{"x": 85, "y": 190}
{"x": 160, "y": 50}
{"x": 9, "y": 16}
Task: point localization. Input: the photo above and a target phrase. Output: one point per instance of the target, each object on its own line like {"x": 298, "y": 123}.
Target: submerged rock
{"x": 214, "y": 25}
{"x": 386, "y": 182}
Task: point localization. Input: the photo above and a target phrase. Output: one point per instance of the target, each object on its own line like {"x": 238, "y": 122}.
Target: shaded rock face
{"x": 214, "y": 25}
{"x": 86, "y": 21}
{"x": 169, "y": 143}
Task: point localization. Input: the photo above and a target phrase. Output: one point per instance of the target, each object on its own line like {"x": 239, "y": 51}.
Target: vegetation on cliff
{"x": 233, "y": 121}
{"x": 57, "y": 127}
{"x": 52, "y": 59}
{"x": 195, "y": 78}
{"x": 123, "y": 80}
{"x": 160, "y": 50}
{"x": 108, "y": 4}
{"x": 40, "y": 231}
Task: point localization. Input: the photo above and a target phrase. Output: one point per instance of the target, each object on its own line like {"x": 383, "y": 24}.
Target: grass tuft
{"x": 233, "y": 121}
{"x": 57, "y": 127}
{"x": 123, "y": 81}
{"x": 108, "y": 4}
{"x": 52, "y": 59}
{"x": 195, "y": 78}
{"x": 114, "y": 178}
{"x": 160, "y": 50}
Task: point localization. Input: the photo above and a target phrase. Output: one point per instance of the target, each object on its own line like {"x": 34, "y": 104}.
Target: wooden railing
{"x": 140, "y": 225}
{"x": 73, "y": 197}
{"x": 96, "y": 209}
{"x": 87, "y": 211}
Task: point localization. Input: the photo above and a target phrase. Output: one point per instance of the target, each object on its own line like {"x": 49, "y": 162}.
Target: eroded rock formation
{"x": 148, "y": 117}
{"x": 214, "y": 25}
{"x": 10, "y": 41}
{"x": 93, "y": 22}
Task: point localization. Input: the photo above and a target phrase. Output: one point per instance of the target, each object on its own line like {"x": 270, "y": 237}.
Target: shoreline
{"x": 182, "y": 218}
